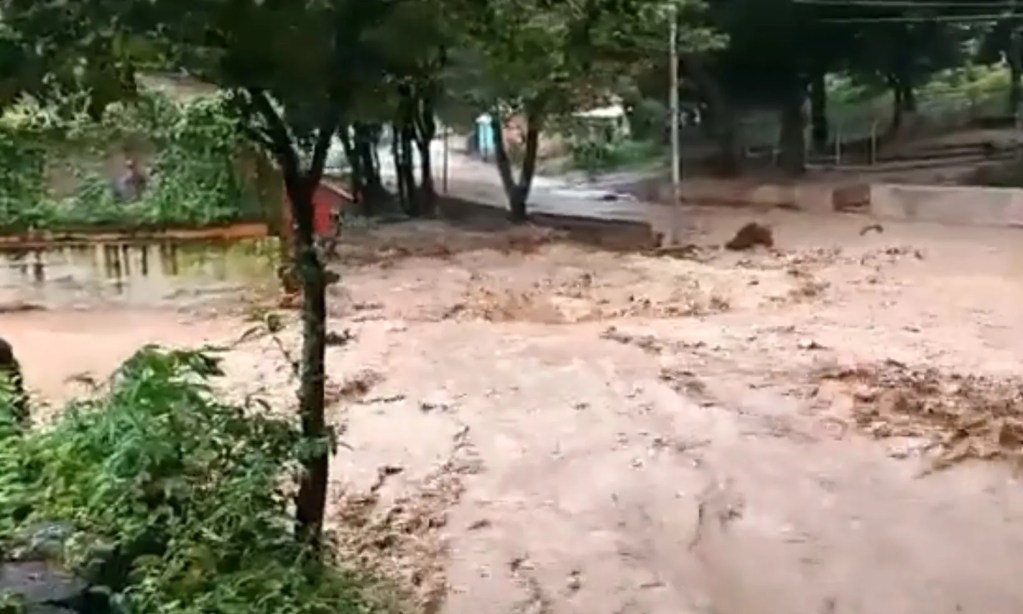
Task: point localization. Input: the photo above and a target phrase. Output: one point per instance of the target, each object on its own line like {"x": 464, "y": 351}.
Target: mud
{"x": 955, "y": 417}
{"x": 531, "y": 424}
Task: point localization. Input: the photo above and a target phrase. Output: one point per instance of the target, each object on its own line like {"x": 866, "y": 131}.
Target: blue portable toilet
{"x": 484, "y": 136}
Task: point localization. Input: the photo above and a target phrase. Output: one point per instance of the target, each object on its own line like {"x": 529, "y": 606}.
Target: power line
{"x": 909, "y": 4}
{"x": 924, "y": 18}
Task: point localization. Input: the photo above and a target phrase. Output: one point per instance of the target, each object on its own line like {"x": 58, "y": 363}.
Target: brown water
{"x": 683, "y": 463}
{"x": 134, "y": 274}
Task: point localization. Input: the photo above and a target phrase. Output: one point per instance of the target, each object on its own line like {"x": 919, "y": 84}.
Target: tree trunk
{"x": 310, "y": 502}
{"x": 903, "y": 101}
{"x": 1015, "y": 96}
{"x": 405, "y": 133}
{"x": 909, "y": 97}
{"x": 793, "y": 146}
{"x": 354, "y": 161}
{"x": 897, "y": 108}
{"x": 819, "y": 112}
{"x": 399, "y": 175}
{"x": 367, "y": 138}
{"x": 407, "y": 169}
{"x": 518, "y": 191}
{"x": 1015, "y": 57}
{"x": 426, "y": 130}
{"x": 312, "y": 494}
{"x": 504, "y": 168}
{"x": 728, "y": 155}
{"x": 722, "y": 116}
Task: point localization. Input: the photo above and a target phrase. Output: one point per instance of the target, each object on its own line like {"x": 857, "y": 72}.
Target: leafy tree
{"x": 904, "y": 56}
{"x": 289, "y": 65}
{"x": 765, "y": 63}
{"x": 901, "y": 45}
{"x": 50, "y": 65}
{"x": 418, "y": 39}
{"x": 778, "y": 52}
{"x": 538, "y": 59}
{"x": 996, "y": 42}
{"x": 395, "y": 82}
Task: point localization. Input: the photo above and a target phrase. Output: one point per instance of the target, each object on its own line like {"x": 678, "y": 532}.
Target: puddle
{"x": 135, "y": 274}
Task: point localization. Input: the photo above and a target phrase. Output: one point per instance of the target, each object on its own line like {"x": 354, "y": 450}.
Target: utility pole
{"x": 676, "y": 179}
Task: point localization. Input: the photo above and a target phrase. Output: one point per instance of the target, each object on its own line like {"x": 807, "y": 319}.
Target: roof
{"x": 611, "y": 112}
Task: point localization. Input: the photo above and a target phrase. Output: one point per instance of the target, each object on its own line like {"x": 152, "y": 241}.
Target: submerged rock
{"x": 45, "y": 541}
{"x": 42, "y": 583}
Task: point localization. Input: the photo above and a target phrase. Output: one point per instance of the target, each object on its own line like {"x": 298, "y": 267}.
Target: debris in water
{"x": 751, "y": 235}
{"x": 960, "y": 416}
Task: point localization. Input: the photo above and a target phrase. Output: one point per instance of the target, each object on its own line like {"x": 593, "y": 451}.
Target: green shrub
{"x": 177, "y": 502}
{"x": 193, "y": 181}
{"x": 595, "y": 155}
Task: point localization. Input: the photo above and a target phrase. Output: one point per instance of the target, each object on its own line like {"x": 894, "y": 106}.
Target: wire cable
{"x": 924, "y": 18}
{"x": 910, "y": 4}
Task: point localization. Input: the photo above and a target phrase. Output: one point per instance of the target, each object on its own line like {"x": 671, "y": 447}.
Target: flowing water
{"x": 134, "y": 274}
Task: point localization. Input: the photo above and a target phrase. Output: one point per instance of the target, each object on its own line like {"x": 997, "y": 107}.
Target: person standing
{"x": 131, "y": 183}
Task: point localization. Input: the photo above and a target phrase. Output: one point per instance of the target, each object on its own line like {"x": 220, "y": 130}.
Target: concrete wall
{"x": 966, "y": 205}
{"x": 959, "y": 205}
{"x": 810, "y": 196}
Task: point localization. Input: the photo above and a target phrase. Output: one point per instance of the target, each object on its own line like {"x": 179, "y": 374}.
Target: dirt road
{"x": 542, "y": 427}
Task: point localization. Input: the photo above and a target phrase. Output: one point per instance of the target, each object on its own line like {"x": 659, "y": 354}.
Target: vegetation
{"x": 785, "y": 57}
{"x": 541, "y": 60}
{"x": 404, "y": 63}
{"x": 595, "y": 155}
{"x": 293, "y": 76}
{"x": 192, "y": 151}
{"x": 163, "y": 498}
{"x": 300, "y": 73}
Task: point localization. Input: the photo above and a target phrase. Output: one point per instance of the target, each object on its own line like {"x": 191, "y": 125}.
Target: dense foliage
{"x": 176, "y": 502}
{"x": 188, "y": 150}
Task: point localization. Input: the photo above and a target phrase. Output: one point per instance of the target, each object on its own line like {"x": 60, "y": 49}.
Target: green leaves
{"x": 178, "y": 502}
{"x": 193, "y": 181}
{"x": 562, "y": 54}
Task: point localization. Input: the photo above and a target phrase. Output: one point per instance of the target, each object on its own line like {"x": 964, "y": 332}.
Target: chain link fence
{"x": 857, "y": 133}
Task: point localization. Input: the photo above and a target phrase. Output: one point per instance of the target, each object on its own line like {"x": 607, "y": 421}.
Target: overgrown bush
{"x": 595, "y": 155}
{"x": 176, "y": 502}
{"x": 22, "y": 176}
{"x": 193, "y": 181}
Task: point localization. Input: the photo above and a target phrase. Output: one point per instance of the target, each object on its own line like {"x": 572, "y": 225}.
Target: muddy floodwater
{"x": 133, "y": 274}
{"x": 536, "y": 425}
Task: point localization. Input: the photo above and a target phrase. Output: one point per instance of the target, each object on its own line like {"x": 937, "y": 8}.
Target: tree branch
{"x": 277, "y": 131}
{"x": 259, "y": 136}
{"x": 327, "y": 128}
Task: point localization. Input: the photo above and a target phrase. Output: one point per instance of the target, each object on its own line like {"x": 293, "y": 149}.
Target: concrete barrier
{"x": 806, "y": 196}
{"x": 965, "y": 205}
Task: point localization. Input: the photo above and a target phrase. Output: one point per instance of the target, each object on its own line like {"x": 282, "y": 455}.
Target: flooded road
{"x": 134, "y": 274}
